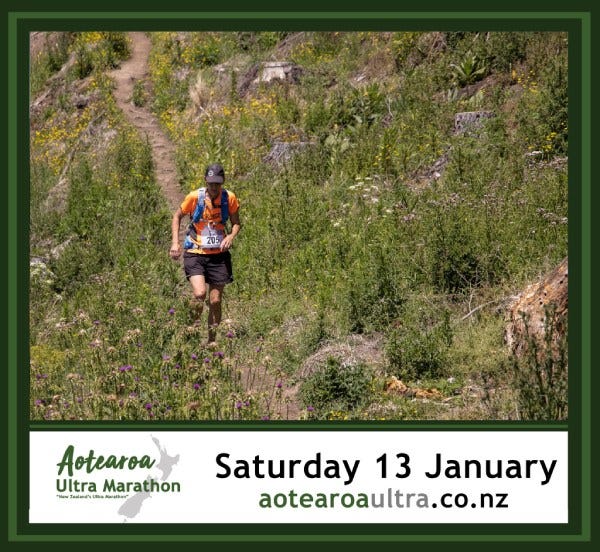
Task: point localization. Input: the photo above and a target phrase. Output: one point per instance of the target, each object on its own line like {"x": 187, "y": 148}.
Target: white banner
{"x": 298, "y": 477}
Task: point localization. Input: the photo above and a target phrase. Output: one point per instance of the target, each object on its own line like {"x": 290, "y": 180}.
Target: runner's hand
{"x": 226, "y": 243}
{"x": 175, "y": 252}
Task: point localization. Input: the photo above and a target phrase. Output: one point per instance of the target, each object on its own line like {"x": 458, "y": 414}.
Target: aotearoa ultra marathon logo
{"x": 70, "y": 485}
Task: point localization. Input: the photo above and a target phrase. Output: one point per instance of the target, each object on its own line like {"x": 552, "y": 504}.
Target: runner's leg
{"x": 199, "y": 290}
{"x": 215, "y": 296}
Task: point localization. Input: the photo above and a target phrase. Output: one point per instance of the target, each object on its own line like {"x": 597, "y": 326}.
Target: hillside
{"x": 398, "y": 191}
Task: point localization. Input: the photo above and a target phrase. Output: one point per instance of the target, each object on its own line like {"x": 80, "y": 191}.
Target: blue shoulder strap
{"x": 224, "y": 206}
{"x": 199, "y": 211}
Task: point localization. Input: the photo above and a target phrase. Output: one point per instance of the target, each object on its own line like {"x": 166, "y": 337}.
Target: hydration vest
{"x": 197, "y": 217}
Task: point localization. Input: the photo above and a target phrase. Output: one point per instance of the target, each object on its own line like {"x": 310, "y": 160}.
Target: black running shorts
{"x": 216, "y": 268}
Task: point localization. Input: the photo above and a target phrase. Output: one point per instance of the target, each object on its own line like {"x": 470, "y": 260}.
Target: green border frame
{"x": 577, "y": 21}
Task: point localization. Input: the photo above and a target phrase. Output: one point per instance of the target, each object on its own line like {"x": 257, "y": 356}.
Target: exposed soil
{"x": 163, "y": 150}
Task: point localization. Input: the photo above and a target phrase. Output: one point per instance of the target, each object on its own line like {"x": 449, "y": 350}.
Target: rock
{"x": 436, "y": 170}
{"x": 470, "y": 121}
{"x": 278, "y": 70}
{"x": 423, "y": 179}
{"x": 527, "y": 316}
{"x": 282, "y": 152}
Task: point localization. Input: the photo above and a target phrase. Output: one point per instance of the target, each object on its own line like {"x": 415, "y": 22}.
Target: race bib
{"x": 211, "y": 238}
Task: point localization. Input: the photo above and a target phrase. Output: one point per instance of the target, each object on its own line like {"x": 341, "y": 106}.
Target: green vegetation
{"x": 336, "y": 387}
{"x": 384, "y": 224}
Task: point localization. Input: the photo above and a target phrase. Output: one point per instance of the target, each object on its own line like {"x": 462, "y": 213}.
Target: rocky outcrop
{"x": 278, "y": 70}
{"x": 282, "y": 152}
{"x": 470, "y": 122}
{"x": 269, "y": 72}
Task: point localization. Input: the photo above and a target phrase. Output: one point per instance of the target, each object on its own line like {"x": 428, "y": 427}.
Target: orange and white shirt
{"x": 210, "y": 224}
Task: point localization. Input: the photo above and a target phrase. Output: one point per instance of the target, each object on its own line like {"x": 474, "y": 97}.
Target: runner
{"x": 206, "y": 257}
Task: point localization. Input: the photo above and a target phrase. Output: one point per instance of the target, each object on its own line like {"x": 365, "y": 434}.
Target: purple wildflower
{"x": 196, "y": 386}
{"x": 148, "y": 406}
{"x": 125, "y": 368}
{"x": 310, "y": 408}
{"x": 39, "y": 402}
{"x": 171, "y": 311}
{"x": 177, "y": 366}
{"x": 206, "y": 360}
{"x": 166, "y": 357}
{"x": 132, "y": 395}
{"x": 246, "y": 403}
{"x": 219, "y": 354}
{"x": 121, "y": 403}
{"x": 96, "y": 322}
{"x": 266, "y": 418}
{"x": 229, "y": 334}
{"x": 194, "y": 356}
{"x": 279, "y": 385}
{"x": 166, "y": 378}
{"x": 238, "y": 404}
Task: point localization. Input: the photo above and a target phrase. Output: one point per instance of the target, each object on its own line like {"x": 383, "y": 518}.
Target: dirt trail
{"x": 163, "y": 150}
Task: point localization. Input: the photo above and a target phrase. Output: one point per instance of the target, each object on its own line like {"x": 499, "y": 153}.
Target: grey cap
{"x": 215, "y": 173}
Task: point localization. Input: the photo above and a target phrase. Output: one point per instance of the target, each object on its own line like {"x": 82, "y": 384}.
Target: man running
{"x": 206, "y": 257}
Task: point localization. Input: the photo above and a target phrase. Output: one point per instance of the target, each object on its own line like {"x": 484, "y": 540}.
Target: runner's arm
{"x": 175, "y": 250}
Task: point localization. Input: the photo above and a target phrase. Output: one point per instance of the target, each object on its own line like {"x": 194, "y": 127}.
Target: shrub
{"x": 469, "y": 70}
{"x": 404, "y": 45}
{"x": 418, "y": 347}
{"x": 376, "y": 305}
{"x": 337, "y": 387}
{"x": 83, "y": 61}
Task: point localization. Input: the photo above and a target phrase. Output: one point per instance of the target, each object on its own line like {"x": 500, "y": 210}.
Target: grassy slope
{"x": 351, "y": 238}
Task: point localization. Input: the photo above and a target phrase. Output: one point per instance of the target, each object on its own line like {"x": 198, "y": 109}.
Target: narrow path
{"x": 163, "y": 154}
{"x": 163, "y": 150}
